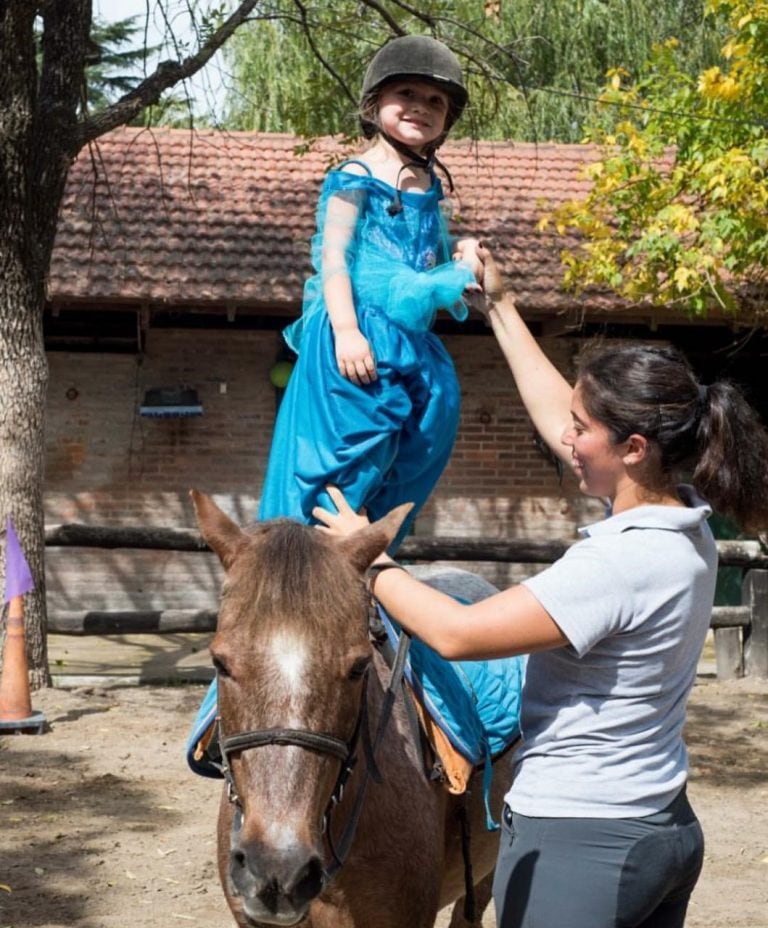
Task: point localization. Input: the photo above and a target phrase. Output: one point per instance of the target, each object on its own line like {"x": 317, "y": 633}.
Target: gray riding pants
{"x": 598, "y": 873}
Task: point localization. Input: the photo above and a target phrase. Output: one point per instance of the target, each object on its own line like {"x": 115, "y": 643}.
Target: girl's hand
{"x": 345, "y": 521}
{"x": 354, "y": 356}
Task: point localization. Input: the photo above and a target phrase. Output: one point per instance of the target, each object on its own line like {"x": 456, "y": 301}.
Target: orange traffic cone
{"x": 16, "y": 713}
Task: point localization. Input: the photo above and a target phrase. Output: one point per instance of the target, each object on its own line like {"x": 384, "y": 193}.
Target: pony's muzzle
{"x": 276, "y": 886}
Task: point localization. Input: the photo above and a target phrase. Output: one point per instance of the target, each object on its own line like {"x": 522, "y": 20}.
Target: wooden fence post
{"x": 729, "y": 658}
{"x": 755, "y": 594}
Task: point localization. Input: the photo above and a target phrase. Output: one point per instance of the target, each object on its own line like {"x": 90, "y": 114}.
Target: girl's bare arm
{"x": 353, "y": 353}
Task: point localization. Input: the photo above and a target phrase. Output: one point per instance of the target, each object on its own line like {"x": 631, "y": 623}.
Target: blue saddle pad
{"x": 206, "y": 716}
{"x": 475, "y": 703}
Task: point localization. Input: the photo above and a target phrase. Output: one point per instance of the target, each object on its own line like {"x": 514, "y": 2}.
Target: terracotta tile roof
{"x": 224, "y": 219}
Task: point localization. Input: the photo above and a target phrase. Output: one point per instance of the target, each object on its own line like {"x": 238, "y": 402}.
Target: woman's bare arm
{"x": 511, "y": 622}
{"x": 545, "y": 393}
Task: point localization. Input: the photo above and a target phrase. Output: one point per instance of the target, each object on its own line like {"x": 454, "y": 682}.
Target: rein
{"x": 323, "y": 743}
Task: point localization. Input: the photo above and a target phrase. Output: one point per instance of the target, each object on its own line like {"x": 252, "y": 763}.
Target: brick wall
{"x": 498, "y": 483}
{"x": 107, "y": 465}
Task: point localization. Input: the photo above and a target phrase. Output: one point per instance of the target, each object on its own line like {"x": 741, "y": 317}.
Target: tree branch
{"x": 166, "y": 75}
{"x": 390, "y": 20}
{"x": 316, "y": 52}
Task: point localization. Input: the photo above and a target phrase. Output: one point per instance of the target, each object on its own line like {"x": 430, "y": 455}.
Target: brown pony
{"x": 301, "y": 693}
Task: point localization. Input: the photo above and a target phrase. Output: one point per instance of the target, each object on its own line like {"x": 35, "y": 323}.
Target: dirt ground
{"x": 102, "y": 825}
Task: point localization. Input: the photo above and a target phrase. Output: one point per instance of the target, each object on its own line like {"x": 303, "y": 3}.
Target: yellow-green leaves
{"x": 678, "y": 210}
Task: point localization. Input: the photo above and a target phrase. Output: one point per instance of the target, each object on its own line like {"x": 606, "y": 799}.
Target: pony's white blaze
{"x": 289, "y": 657}
{"x": 281, "y": 835}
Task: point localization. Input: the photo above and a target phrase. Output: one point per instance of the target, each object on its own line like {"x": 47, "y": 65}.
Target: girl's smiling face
{"x": 596, "y": 459}
{"x": 413, "y": 112}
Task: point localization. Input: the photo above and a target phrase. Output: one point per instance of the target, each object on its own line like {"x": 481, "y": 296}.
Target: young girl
{"x": 598, "y": 831}
{"x": 373, "y": 402}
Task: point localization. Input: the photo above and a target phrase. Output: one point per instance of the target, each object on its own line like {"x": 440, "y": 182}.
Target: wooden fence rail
{"x": 741, "y": 632}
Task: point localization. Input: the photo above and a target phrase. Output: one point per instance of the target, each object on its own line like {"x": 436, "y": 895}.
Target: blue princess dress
{"x": 387, "y": 442}
{"x": 383, "y": 443}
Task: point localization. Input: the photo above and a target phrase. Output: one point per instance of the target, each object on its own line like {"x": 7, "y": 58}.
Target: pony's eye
{"x": 358, "y": 668}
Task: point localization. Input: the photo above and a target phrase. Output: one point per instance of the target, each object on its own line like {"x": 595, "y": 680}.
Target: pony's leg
{"x": 483, "y": 894}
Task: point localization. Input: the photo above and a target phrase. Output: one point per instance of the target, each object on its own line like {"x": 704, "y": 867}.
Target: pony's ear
{"x": 224, "y": 536}
{"x": 365, "y": 545}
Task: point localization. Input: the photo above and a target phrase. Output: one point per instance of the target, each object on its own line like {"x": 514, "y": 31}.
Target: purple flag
{"x": 18, "y": 576}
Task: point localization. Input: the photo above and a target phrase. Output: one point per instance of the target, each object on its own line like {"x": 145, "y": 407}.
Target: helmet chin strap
{"x": 425, "y": 162}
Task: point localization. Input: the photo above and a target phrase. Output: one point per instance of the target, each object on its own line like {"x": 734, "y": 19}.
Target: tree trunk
{"x": 23, "y": 380}
{"x": 42, "y": 83}
{"x": 37, "y": 121}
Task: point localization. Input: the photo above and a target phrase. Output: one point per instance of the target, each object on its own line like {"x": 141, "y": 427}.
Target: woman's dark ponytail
{"x": 708, "y": 435}
{"x": 732, "y": 468}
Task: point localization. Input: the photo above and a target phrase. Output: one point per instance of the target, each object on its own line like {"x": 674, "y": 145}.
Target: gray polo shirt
{"x": 602, "y": 718}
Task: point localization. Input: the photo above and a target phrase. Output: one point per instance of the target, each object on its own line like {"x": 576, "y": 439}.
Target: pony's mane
{"x": 293, "y": 569}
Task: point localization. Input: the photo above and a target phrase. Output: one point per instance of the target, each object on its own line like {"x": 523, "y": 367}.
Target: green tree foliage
{"x": 556, "y": 55}
{"x": 116, "y": 57}
{"x": 678, "y": 212}
{"x": 288, "y": 76}
{"x": 534, "y": 67}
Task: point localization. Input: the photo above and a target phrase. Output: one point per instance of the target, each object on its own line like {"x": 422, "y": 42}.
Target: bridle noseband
{"x": 320, "y": 742}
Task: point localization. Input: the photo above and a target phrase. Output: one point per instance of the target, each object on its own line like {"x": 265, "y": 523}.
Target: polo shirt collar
{"x": 671, "y": 518}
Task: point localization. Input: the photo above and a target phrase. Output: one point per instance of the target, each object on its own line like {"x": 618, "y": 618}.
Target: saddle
{"x": 468, "y": 711}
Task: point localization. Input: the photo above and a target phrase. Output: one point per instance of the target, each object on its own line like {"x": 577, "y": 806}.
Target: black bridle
{"x": 323, "y": 743}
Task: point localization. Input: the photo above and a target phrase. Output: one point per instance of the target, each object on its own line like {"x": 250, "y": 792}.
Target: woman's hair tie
{"x": 703, "y": 392}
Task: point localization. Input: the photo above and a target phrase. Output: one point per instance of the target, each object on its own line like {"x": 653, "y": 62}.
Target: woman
{"x": 597, "y": 829}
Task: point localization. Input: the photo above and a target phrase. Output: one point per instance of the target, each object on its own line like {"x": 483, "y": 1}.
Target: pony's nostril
{"x": 270, "y": 896}
{"x": 308, "y": 882}
{"x": 287, "y": 880}
{"x": 237, "y": 859}
{"x": 240, "y": 880}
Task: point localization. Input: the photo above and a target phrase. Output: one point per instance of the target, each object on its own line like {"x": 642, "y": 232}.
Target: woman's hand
{"x": 345, "y": 521}
{"x": 474, "y": 253}
{"x": 354, "y": 356}
{"x": 466, "y": 251}
{"x": 493, "y": 288}
{"x": 493, "y": 285}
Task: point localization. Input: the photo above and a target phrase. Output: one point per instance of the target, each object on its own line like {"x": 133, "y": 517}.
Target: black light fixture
{"x": 171, "y": 403}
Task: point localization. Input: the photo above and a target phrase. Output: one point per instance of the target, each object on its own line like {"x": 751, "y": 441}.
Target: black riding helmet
{"x": 413, "y": 56}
